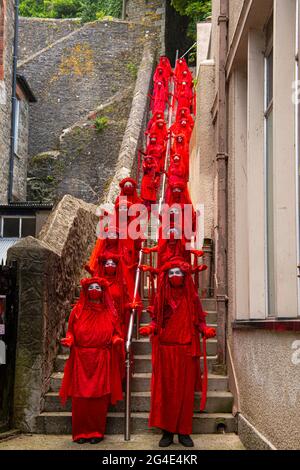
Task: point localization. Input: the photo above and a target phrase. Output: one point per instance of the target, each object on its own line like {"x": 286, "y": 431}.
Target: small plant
{"x": 101, "y": 123}
{"x": 132, "y": 69}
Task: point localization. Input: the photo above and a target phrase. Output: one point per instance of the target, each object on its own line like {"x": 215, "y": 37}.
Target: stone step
{"x": 142, "y": 364}
{"x": 203, "y": 423}
{"x": 217, "y": 402}
{"x": 144, "y": 346}
{"x": 211, "y": 317}
{"x": 141, "y": 382}
{"x": 209, "y": 304}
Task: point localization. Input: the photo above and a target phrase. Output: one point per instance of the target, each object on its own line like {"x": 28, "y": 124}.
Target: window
{"x": 269, "y": 171}
{"x": 17, "y": 227}
{"x": 17, "y": 125}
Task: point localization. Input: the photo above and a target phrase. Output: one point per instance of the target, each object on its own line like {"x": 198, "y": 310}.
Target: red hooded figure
{"x": 156, "y": 117}
{"x": 185, "y": 96}
{"x": 180, "y": 67}
{"x": 178, "y": 320}
{"x": 180, "y": 147}
{"x": 94, "y": 371}
{"x": 150, "y": 181}
{"x": 182, "y": 126}
{"x": 128, "y": 188}
{"x": 184, "y": 113}
{"x": 160, "y": 97}
{"x": 164, "y": 63}
{"x": 159, "y": 129}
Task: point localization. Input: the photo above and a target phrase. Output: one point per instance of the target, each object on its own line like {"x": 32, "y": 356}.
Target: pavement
{"x": 116, "y": 442}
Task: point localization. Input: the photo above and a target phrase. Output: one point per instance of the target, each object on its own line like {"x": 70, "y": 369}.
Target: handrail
{"x": 136, "y": 288}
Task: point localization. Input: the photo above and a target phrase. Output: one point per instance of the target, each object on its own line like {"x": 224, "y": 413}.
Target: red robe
{"x": 178, "y": 319}
{"x": 94, "y": 371}
{"x": 150, "y": 181}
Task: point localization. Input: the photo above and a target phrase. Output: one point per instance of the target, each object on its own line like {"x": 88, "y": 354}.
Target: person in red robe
{"x": 128, "y": 187}
{"x": 95, "y": 369}
{"x": 160, "y": 97}
{"x": 177, "y": 322}
{"x": 184, "y": 113}
{"x": 156, "y": 117}
{"x": 164, "y": 63}
{"x": 182, "y": 126}
{"x": 184, "y": 96}
{"x": 159, "y": 129}
{"x": 180, "y": 147}
{"x": 180, "y": 67}
{"x": 177, "y": 169}
{"x": 157, "y": 150}
{"x": 150, "y": 181}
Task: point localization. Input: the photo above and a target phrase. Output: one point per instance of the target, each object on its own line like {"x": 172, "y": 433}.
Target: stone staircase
{"x": 217, "y": 419}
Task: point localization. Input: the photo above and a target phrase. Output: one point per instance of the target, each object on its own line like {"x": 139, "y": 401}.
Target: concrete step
{"x": 217, "y": 402}
{"x": 211, "y": 316}
{"x": 203, "y": 423}
{"x": 144, "y": 346}
{"x": 141, "y": 382}
{"x": 142, "y": 364}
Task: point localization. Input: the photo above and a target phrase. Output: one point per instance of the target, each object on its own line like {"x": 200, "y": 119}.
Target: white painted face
{"x": 110, "y": 263}
{"x": 172, "y": 232}
{"x": 176, "y": 159}
{"x": 183, "y": 83}
{"x": 174, "y": 211}
{"x": 175, "y": 272}
{"x": 128, "y": 185}
{"x": 176, "y": 190}
{"x": 95, "y": 286}
{"x": 112, "y": 235}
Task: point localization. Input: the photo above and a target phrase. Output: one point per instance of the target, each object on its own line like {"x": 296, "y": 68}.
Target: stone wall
{"x": 39, "y": 33}
{"x": 5, "y": 99}
{"x": 49, "y": 269}
{"x": 78, "y": 73}
{"x": 134, "y": 135}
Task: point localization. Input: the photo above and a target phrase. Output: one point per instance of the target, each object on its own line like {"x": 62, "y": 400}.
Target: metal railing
{"x": 133, "y": 314}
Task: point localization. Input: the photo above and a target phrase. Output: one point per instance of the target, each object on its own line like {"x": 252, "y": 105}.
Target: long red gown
{"x": 93, "y": 373}
{"x": 178, "y": 319}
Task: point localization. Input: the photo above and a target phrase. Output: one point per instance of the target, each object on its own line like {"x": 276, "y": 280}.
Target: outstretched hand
{"x": 146, "y": 330}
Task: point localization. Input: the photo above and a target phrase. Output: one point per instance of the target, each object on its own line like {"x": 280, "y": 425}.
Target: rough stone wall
{"x": 88, "y": 161}
{"x": 40, "y": 33}
{"x": 78, "y": 73}
{"x": 136, "y": 125}
{"x": 151, "y": 14}
{"x": 21, "y": 159}
{"x": 5, "y": 99}
{"x": 49, "y": 269}
{"x": 83, "y": 164}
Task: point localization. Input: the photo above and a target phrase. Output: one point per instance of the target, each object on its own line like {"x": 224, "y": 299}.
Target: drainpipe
{"x": 13, "y": 109}
{"x": 124, "y": 9}
{"x": 221, "y": 169}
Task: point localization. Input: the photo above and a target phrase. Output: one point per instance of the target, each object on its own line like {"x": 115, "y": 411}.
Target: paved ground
{"x": 116, "y": 442}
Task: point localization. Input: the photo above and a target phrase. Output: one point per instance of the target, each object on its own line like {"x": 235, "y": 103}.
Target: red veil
{"x": 117, "y": 353}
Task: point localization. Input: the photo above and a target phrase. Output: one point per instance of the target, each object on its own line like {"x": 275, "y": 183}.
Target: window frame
{"x": 268, "y": 109}
{"x": 2, "y": 217}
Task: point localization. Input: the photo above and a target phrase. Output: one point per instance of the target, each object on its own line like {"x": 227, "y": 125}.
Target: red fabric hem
{"x": 88, "y": 436}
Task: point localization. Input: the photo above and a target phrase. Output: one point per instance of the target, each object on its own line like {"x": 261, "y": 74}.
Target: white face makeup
{"x": 175, "y": 272}
{"x": 176, "y": 190}
{"x": 95, "y": 286}
{"x": 172, "y": 231}
{"x": 128, "y": 185}
{"x": 112, "y": 235}
{"x": 110, "y": 262}
{"x": 174, "y": 211}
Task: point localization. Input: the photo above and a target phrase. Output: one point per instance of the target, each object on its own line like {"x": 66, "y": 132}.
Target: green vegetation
{"x": 132, "y": 69}
{"x": 101, "y": 123}
{"x": 87, "y": 10}
{"x": 195, "y": 10}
